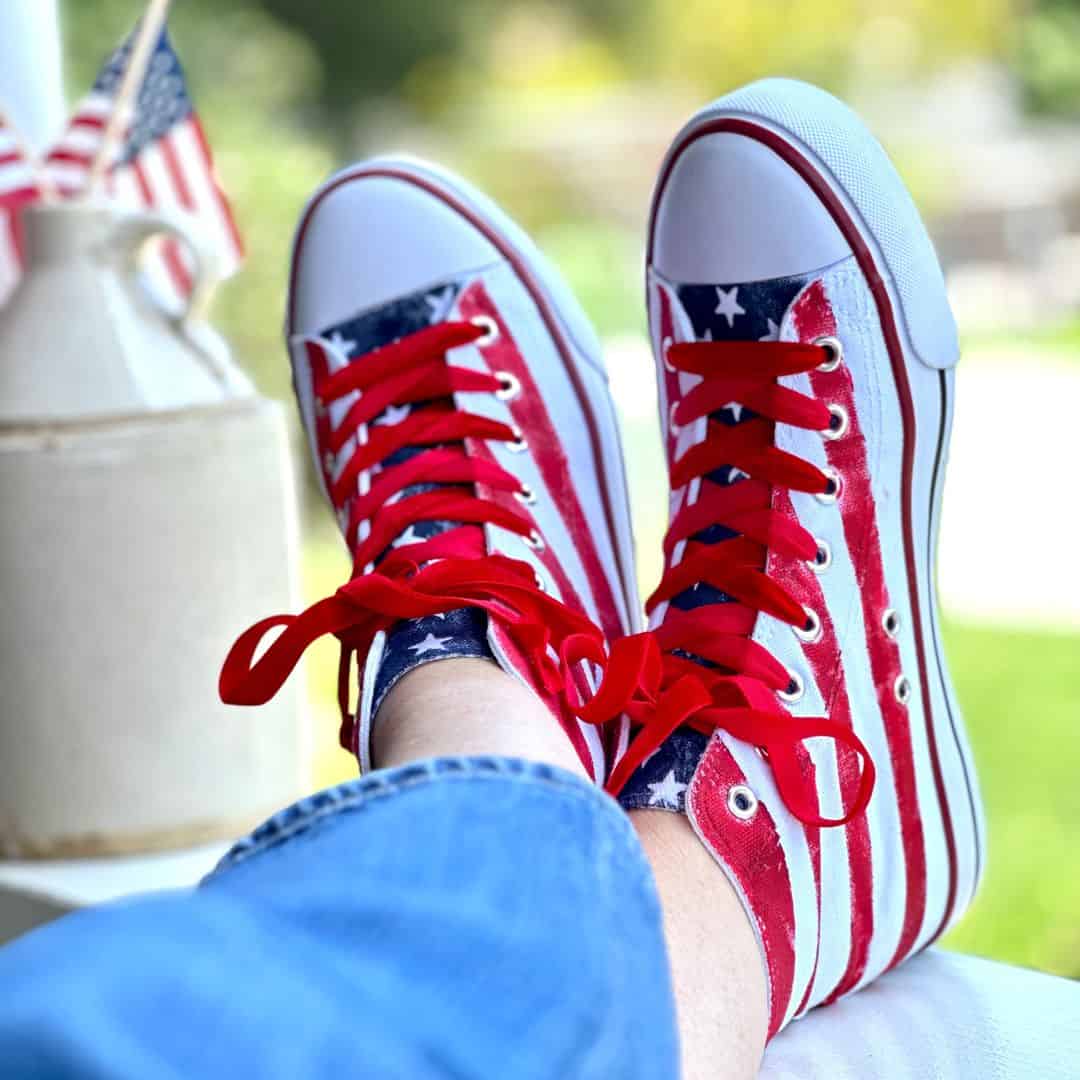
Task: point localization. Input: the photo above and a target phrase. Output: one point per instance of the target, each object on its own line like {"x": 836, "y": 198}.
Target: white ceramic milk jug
{"x": 147, "y": 515}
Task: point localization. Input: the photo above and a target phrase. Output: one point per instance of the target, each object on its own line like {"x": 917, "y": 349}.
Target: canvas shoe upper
{"x": 460, "y": 424}
{"x": 805, "y": 353}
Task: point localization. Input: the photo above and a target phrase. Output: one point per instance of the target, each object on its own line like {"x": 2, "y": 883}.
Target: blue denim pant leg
{"x": 452, "y": 918}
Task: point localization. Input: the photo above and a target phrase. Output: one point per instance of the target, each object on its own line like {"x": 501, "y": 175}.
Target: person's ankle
{"x": 467, "y": 707}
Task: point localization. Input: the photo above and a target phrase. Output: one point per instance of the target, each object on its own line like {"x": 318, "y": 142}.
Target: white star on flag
{"x": 773, "y": 334}
{"x": 409, "y": 536}
{"x": 667, "y": 791}
{"x": 736, "y": 410}
{"x": 392, "y": 414}
{"x": 440, "y": 303}
{"x": 736, "y": 474}
{"x": 343, "y": 344}
{"x": 430, "y": 644}
{"x": 728, "y": 304}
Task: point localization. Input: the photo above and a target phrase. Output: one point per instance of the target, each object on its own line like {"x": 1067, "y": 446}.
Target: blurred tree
{"x": 1047, "y": 57}
{"x": 829, "y": 42}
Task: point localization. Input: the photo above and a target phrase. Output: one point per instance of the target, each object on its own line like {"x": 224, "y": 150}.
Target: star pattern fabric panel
{"x": 453, "y": 634}
{"x": 734, "y": 312}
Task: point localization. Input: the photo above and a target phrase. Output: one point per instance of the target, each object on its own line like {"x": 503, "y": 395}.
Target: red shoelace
{"x": 739, "y": 694}
{"x": 447, "y": 571}
{"x": 645, "y": 675}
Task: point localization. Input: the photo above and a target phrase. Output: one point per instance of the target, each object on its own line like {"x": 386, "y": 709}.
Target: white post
{"x": 31, "y": 69}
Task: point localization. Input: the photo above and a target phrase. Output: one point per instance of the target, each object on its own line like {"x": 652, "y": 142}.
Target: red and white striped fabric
{"x": 162, "y": 162}
{"x": 461, "y": 426}
{"x": 68, "y": 162}
{"x": 807, "y": 439}
{"x": 18, "y": 186}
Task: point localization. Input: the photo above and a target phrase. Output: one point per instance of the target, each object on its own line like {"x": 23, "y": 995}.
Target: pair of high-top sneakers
{"x": 791, "y": 696}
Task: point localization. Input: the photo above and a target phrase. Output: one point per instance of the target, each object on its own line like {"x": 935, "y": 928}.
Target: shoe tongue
{"x": 747, "y": 311}
{"x": 736, "y": 311}
{"x": 360, "y": 334}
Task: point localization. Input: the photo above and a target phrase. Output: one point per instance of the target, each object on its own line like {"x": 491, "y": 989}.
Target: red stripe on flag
{"x": 219, "y": 195}
{"x": 170, "y": 253}
{"x": 17, "y": 198}
{"x": 176, "y": 174}
{"x": 70, "y": 157}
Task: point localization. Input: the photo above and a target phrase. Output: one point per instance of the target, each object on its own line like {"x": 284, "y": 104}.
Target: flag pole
{"x": 37, "y": 167}
{"x": 153, "y": 22}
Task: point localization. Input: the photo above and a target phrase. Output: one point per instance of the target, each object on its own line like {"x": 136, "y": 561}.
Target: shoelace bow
{"x": 737, "y": 692}
{"x": 650, "y": 676}
{"x": 444, "y": 572}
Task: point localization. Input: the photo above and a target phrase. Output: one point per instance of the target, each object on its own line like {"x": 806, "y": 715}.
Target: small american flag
{"x": 18, "y": 186}
{"x": 164, "y": 161}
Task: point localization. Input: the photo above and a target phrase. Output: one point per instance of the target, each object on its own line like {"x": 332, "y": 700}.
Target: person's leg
{"x": 716, "y": 962}
{"x": 452, "y": 916}
{"x": 434, "y": 711}
{"x": 717, "y": 971}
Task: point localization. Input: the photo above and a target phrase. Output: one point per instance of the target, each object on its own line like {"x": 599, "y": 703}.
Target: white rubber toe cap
{"x": 368, "y": 237}
{"x": 734, "y": 211}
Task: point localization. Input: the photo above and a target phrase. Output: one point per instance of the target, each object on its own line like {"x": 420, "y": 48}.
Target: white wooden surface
{"x": 941, "y": 1016}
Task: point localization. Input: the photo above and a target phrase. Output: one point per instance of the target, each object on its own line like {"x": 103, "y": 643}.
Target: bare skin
{"x": 472, "y": 707}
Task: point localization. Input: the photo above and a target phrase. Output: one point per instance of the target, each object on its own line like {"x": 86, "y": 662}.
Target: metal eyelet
{"x": 742, "y": 802}
{"x": 541, "y": 584}
{"x": 664, "y": 346}
{"x": 838, "y": 426}
{"x": 673, "y": 424}
{"x": 509, "y": 386}
{"x": 519, "y": 442}
{"x": 810, "y": 632}
{"x": 902, "y": 689}
{"x": 489, "y": 326}
{"x": 835, "y": 348}
{"x": 823, "y": 559}
{"x": 535, "y": 540}
{"x": 525, "y": 495}
{"x": 794, "y": 690}
{"x": 890, "y": 622}
{"x": 835, "y": 489}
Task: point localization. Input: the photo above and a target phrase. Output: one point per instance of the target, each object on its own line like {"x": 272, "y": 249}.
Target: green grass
{"x": 1021, "y": 697}
{"x": 1059, "y": 341}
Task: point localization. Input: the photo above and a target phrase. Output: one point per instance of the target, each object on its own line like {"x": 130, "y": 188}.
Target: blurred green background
{"x": 562, "y": 111}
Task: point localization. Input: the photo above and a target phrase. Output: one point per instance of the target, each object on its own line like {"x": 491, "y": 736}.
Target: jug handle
{"x": 131, "y": 231}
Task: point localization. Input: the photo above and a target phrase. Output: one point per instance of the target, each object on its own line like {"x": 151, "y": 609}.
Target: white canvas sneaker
{"x": 805, "y": 351}
{"x": 459, "y": 419}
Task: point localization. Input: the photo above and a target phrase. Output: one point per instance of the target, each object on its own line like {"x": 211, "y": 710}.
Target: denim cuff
{"x": 355, "y": 794}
